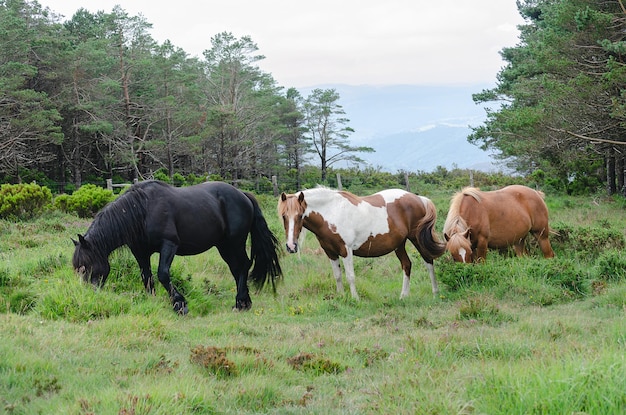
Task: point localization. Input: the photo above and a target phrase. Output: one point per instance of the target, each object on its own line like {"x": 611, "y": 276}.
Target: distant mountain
{"x": 414, "y": 127}
{"x": 425, "y": 150}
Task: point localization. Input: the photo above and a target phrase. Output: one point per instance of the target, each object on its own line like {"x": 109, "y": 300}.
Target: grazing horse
{"x": 370, "y": 226}
{"x": 479, "y": 220}
{"x": 155, "y": 217}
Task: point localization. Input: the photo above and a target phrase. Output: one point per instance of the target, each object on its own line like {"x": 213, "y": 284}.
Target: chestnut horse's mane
{"x": 454, "y": 219}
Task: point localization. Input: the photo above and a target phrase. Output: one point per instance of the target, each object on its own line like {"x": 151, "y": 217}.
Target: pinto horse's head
{"x": 89, "y": 263}
{"x": 291, "y": 209}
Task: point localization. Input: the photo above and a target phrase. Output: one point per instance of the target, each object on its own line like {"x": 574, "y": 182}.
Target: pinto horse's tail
{"x": 264, "y": 249}
{"x": 429, "y": 245}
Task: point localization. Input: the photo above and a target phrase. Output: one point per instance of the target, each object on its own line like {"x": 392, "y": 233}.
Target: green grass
{"x": 511, "y": 336}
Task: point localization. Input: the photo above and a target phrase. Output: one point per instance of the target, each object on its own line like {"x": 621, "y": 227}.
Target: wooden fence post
{"x": 275, "y": 186}
{"x": 406, "y": 181}
{"x": 339, "y": 186}
{"x": 110, "y": 184}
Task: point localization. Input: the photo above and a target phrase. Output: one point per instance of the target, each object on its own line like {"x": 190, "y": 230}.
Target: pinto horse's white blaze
{"x": 292, "y": 245}
{"x": 347, "y": 225}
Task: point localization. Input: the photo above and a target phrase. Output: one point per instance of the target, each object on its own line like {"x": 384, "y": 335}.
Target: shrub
{"x": 457, "y": 275}
{"x": 162, "y": 175}
{"x": 611, "y": 265}
{"x": 86, "y": 201}
{"x": 179, "y": 180}
{"x": 23, "y": 201}
{"x": 585, "y": 239}
{"x": 562, "y": 272}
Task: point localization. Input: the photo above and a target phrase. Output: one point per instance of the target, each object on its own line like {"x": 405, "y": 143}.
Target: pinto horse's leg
{"x": 348, "y": 264}
{"x": 406, "y": 270}
{"x": 334, "y": 263}
{"x": 239, "y": 265}
{"x": 168, "y": 251}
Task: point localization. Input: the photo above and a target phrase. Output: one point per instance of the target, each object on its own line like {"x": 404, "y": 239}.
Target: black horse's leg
{"x": 239, "y": 265}
{"x": 168, "y": 251}
{"x": 143, "y": 259}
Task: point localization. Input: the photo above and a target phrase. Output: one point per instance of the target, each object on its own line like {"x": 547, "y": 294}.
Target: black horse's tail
{"x": 429, "y": 245}
{"x": 264, "y": 249}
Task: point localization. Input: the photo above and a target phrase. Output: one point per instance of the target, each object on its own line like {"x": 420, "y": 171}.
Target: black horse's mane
{"x": 121, "y": 221}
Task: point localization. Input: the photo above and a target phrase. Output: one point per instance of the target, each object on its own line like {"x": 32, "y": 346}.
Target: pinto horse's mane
{"x": 323, "y": 190}
{"x": 120, "y": 221}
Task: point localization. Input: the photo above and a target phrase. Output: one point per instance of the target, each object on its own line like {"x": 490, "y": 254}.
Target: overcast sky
{"x": 355, "y": 42}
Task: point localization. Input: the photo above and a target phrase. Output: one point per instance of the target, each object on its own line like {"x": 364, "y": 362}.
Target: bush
{"x": 23, "y": 201}
{"x": 85, "y": 202}
{"x": 457, "y": 275}
{"x": 585, "y": 239}
{"x": 611, "y": 265}
{"x": 563, "y": 273}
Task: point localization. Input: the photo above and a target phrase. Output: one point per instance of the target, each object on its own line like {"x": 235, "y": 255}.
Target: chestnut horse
{"x": 479, "y": 220}
{"x": 370, "y": 226}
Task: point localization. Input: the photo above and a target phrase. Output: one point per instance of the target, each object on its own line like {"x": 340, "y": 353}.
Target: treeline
{"x": 97, "y": 97}
{"x": 562, "y": 95}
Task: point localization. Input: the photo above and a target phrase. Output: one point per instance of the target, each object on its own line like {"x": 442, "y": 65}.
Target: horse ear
{"x": 74, "y": 241}
{"x": 83, "y": 241}
{"x": 301, "y": 197}
{"x": 283, "y": 196}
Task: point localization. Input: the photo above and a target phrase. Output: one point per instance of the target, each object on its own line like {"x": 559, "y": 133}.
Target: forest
{"x": 95, "y": 97}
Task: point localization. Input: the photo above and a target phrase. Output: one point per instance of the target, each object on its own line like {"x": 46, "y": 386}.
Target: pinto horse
{"x": 480, "y": 220}
{"x": 370, "y": 226}
{"x": 155, "y": 217}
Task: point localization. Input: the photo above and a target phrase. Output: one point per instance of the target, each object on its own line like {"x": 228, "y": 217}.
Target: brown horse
{"x": 370, "y": 226}
{"x": 479, "y": 220}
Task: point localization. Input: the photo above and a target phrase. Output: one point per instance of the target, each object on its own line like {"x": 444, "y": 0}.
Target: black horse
{"x": 155, "y": 217}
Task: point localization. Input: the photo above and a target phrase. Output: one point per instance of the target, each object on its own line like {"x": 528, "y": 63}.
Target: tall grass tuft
{"x": 70, "y": 299}
{"x": 571, "y": 386}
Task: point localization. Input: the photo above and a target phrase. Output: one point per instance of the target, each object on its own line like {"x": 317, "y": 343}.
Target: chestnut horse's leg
{"x": 480, "y": 252}
{"x": 544, "y": 243}
{"x": 406, "y": 270}
{"x": 433, "y": 280}
{"x": 520, "y": 247}
{"x": 168, "y": 251}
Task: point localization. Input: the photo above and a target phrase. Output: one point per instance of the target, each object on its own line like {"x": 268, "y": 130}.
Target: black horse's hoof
{"x": 180, "y": 307}
{"x": 243, "y": 305}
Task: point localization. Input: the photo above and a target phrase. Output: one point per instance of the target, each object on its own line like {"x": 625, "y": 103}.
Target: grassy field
{"x": 511, "y": 336}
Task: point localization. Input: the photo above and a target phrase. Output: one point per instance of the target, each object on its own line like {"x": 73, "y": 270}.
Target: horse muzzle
{"x": 292, "y": 249}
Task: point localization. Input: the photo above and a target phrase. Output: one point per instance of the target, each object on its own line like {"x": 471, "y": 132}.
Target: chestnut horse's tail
{"x": 429, "y": 245}
{"x": 264, "y": 249}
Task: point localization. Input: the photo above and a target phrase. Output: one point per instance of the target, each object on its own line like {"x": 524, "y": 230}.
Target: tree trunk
{"x": 610, "y": 173}
{"x": 621, "y": 174}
